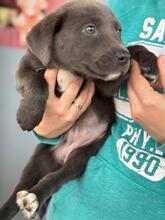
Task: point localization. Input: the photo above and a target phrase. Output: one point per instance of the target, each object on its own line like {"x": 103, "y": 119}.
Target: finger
{"x": 82, "y": 102}
{"x": 134, "y": 102}
{"x": 89, "y": 97}
{"x": 81, "y": 99}
{"x": 161, "y": 66}
{"x": 51, "y": 76}
{"x": 133, "y": 98}
{"x": 138, "y": 83}
{"x": 71, "y": 93}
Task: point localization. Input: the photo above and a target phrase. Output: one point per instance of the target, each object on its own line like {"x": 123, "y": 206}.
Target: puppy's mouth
{"x": 112, "y": 76}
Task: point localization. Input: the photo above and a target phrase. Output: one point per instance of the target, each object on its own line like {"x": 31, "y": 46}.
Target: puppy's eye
{"x": 90, "y": 29}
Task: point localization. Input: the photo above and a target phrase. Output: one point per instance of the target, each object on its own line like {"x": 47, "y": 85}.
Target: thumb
{"x": 50, "y": 76}
{"x": 161, "y": 66}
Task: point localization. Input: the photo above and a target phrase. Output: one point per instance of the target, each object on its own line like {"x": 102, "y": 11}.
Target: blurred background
{"x": 16, "y": 146}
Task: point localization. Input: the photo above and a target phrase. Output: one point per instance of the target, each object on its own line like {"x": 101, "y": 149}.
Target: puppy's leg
{"x": 42, "y": 210}
{"x": 147, "y": 62}
{"x": 34, "y": 90}
{"x": 73, "y": 168}
{"x": 40, "y": 165}
{"x": 10, "y": 208}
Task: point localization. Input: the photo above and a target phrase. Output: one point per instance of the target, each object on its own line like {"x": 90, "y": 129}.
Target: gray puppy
{"x": 83, "y": 37}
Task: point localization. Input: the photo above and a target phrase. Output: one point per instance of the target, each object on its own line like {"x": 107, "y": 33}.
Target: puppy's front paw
{"x": 28, "y": 204}
{"x": 149, "y": 67}
{"x": 147, "y": 62}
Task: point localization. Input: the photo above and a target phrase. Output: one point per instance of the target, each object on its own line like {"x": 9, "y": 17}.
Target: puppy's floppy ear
{"x": 39, "y": 39}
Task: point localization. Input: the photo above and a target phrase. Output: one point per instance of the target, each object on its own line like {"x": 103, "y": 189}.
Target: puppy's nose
{"x": 122, "y": 56}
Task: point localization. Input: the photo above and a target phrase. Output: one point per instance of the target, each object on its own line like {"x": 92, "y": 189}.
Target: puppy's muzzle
{"x": 122, "y": 57}
{"x": 118, "y": 58}
{"x": 114, "y": 64}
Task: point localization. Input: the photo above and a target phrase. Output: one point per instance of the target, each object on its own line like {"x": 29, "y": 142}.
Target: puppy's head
{"x": 83, "y": 37}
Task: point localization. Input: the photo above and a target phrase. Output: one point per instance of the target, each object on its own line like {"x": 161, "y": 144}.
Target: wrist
{"x": 44, "y": 132}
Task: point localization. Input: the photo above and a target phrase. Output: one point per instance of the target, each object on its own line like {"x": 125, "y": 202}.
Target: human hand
{"x": 148, "y": 106}
{"x": 60, "y": 112}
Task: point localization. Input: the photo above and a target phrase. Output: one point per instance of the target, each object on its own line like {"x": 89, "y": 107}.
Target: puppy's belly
{"x": 85, "y": 131}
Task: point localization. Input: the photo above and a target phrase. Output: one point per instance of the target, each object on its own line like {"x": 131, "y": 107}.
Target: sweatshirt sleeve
{"x": 51, "y": 141}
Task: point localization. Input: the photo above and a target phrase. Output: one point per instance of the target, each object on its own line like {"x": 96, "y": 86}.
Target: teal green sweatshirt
{"x": 126, "y": 179}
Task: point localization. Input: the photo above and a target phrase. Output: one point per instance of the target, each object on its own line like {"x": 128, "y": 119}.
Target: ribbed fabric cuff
{"x": 51, "y": 141}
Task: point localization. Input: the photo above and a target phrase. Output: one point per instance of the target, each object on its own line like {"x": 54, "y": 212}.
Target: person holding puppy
{"x": 126, "y": 179}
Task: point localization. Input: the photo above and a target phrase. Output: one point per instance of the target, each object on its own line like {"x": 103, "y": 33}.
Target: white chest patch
{"x": 64, "y": 78}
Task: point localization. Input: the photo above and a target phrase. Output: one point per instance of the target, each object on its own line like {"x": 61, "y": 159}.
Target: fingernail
{"x": 74, "y": 84}
{"x": 89, "y": 80}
